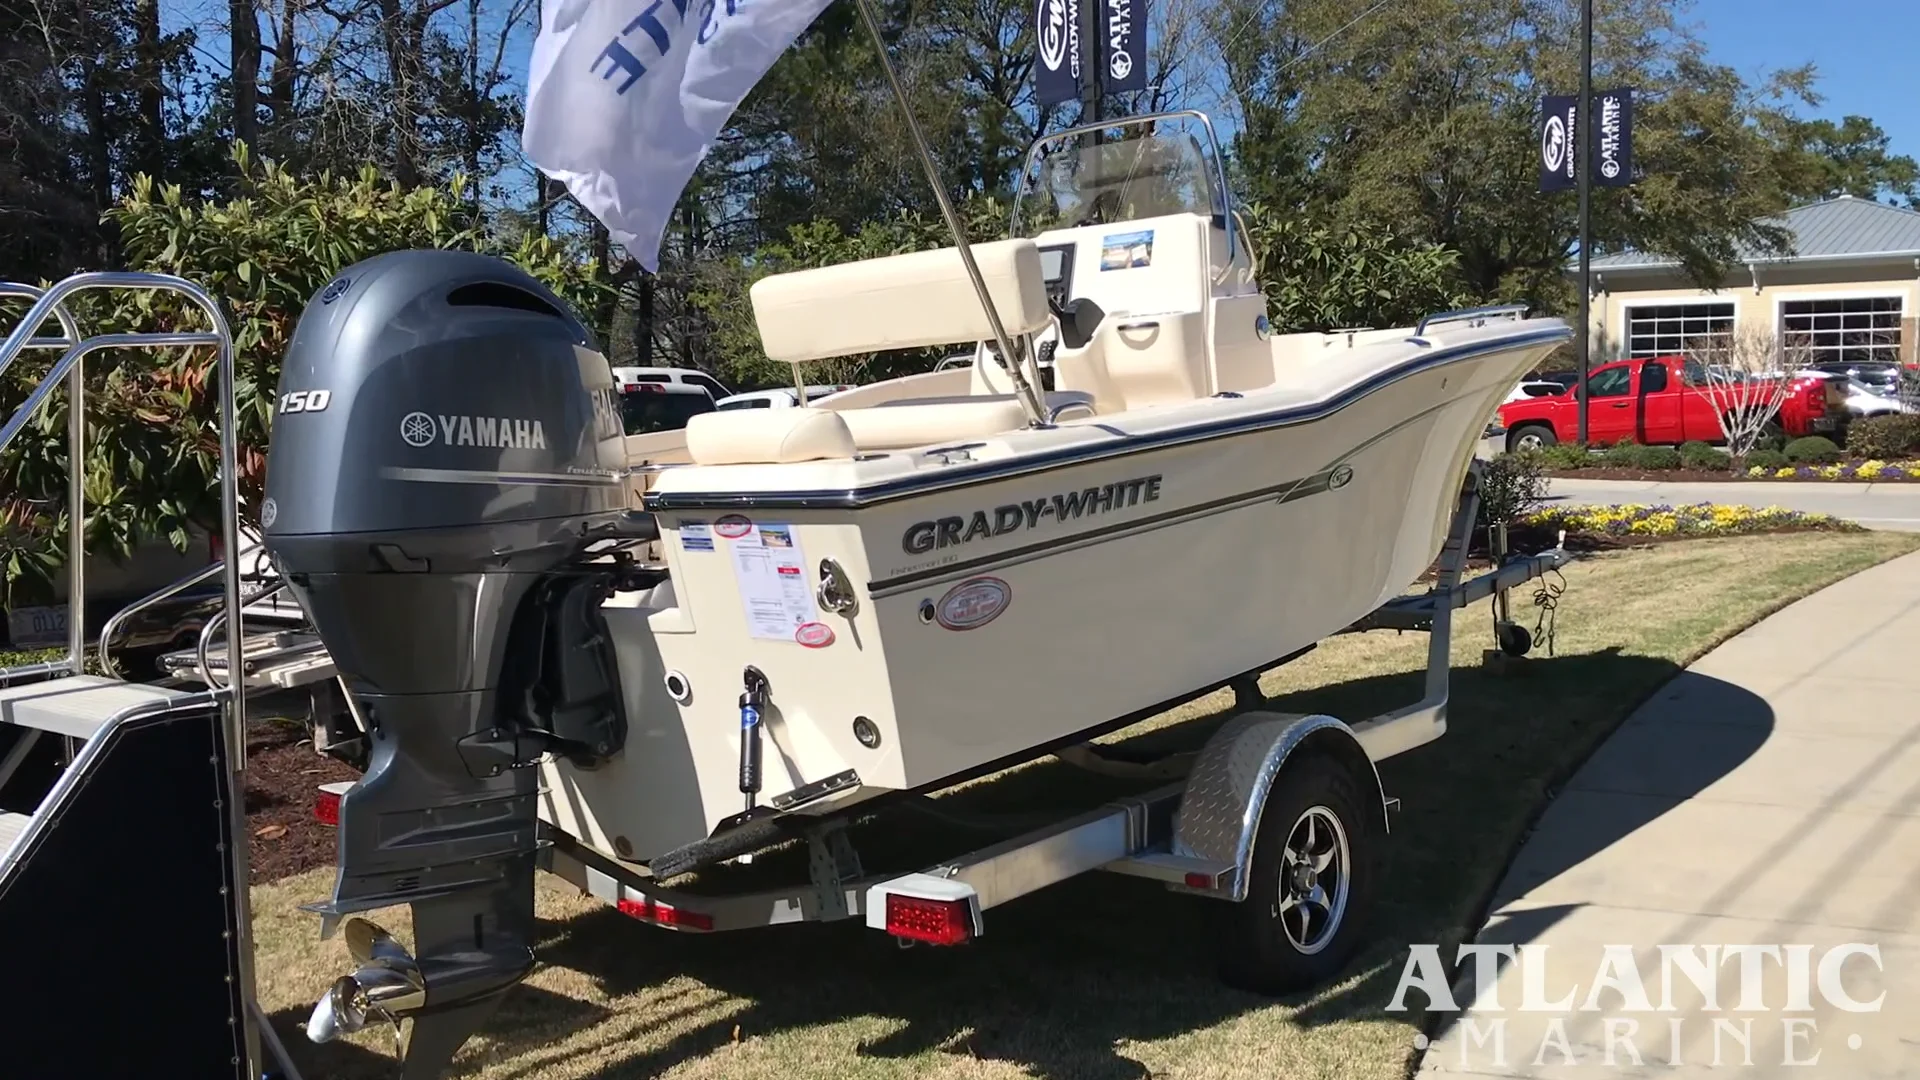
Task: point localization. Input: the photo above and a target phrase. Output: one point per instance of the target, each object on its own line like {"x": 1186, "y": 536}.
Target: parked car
{"x": 785, "y": 397}
{"x": 627, "y": 377}
{"x": 1864, "y": 400}
{"x": 650, "y": 406}
{"x": 1880, "y": 376}
{"x": 1663, "y": 400}
{"x": 1530, "y": 388}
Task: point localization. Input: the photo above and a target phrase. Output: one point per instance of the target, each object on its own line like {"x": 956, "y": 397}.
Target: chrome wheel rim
{"x": 1315, "y": 867}
{"x": 1528, "y": 441}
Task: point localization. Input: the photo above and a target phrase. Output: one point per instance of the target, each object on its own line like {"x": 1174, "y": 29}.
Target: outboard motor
{"x": 446, "y": 450}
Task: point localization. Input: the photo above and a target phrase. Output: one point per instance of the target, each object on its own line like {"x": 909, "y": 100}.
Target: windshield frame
{"x": 1227, "y": 206}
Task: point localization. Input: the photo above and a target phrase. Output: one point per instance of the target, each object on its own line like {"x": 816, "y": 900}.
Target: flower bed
{"x": 1666, "y": 522}
{"x": 1871, "y": 470}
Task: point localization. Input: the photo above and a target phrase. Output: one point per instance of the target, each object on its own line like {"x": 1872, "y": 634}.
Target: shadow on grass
{"x": 1065, "y": 977}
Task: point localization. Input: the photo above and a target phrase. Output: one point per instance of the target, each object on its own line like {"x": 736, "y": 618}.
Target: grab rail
{"x": 51, "y": 303}
{"x": 165, "y": 592}
{"x": 1512, "y": 311}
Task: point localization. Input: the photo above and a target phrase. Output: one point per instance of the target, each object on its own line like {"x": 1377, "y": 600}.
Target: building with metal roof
{"x": 1847, "y": 290}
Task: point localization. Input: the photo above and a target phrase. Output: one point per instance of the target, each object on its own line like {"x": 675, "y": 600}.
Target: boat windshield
{"x": 1145, "y": 174}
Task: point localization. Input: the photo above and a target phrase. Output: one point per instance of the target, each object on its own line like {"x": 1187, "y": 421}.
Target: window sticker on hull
{"x": 771, "y": 574}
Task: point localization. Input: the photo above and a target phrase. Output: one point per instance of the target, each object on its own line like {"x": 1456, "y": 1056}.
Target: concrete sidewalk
{"x": 1894, "y": 506}
{"x": 1768, "y": 796}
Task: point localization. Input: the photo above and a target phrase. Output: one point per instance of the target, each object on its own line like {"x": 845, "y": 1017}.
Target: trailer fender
{"x": 1220, "y": 810}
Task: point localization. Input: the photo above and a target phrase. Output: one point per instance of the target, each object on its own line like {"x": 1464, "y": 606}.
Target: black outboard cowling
{"x": 446, "y": 446}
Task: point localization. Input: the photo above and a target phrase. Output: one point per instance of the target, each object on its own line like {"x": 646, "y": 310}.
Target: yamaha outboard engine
{"x": 446, "y": 448}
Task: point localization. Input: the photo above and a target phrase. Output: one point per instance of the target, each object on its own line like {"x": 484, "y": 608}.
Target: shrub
{"x": 1659, "y": 458}
{"x": 1766, "y": 459}
{"x": 1884, "y": 436}
{"x": 1698, "y": 455}
{"x": 1626, "y": 455}
{"x": 1812, "y": 450}
{"x": 1565, "y": 456}
{"x": 1512, "y": 487}
{"x": 152, "y": 458}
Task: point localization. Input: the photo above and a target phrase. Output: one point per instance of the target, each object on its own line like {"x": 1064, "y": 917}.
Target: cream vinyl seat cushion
{"x": 768, "y": 437}
{"x": 909, "y": 301}
{"x": 898, "y": 425}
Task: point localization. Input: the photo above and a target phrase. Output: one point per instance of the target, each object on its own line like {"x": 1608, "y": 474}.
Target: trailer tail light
{"x": 936, "y": 922}
{"x": 659, "y": 914}
{"x": 326, "y": 802}
{"x": 1197, "y": 880}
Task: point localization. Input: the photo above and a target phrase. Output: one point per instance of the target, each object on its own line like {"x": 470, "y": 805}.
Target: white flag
{"x": 625, "y": 97}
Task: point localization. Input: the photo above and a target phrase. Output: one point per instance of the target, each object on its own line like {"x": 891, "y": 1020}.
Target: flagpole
{"x": 1584, "y": 136}
{"x": 1030, "y": 401}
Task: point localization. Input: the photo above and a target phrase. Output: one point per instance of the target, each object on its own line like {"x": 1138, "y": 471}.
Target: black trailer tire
{"x": 1271, "y": 942}
{"x": 1531, "y": 437}
{"x": 1514, "y": 639}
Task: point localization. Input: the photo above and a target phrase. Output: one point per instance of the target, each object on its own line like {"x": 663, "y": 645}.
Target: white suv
{"x": 625, "y": 378}
{"x": 783, "y": 398}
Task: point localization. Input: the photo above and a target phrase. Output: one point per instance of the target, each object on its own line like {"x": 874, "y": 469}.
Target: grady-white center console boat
{"x": 888, "y": 591}
{"x": 626, "y": 659}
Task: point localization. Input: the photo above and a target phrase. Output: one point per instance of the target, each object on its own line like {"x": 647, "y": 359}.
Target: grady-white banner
{"x": 1058, "y": 50}
{"x": 625, "y": 97}
{"x": 1123, "y": 45}
{"x": 1559, "y": 126}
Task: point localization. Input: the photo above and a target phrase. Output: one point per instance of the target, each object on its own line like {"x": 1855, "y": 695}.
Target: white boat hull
{"x": 1211, "y": 539}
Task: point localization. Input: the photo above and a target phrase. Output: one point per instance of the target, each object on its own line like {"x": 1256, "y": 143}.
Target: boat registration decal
{"x": 814, "y": 635}
{"x": 1124, "y": 251}
{"x": 973, "y": 603}
{"x": 924, "y": 536}
{"x": 733, "y": 526}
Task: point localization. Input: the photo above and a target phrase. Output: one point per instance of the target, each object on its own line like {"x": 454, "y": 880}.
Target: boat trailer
{"x": 85, "y": 755}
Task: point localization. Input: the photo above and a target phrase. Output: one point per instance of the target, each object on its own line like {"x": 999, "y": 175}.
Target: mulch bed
{"x": 282, "y": 772}
{"x": 1700, "y": 476}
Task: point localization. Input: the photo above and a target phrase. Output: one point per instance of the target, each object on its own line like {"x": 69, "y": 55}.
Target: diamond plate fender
{"x": 1227, "y": 789}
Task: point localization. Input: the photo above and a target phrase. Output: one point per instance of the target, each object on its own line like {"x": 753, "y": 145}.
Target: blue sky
{"x": 1867, "y": 52}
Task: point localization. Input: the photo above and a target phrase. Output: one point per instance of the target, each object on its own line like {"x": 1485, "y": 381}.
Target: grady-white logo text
{"x": 497, "y": 432}
{"x": 1059, "y": 29}
{"x": 925, "y": 536}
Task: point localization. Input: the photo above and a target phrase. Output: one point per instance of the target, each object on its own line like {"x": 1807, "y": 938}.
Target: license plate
{"x": 37, "y": 625}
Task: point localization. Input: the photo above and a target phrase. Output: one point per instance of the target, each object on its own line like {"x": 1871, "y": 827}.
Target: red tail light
{"x": 653, "y": 911}
{"x": 936, "y": 922}
{"x": 326, "y": 804}
{"x": 1817, "y": 399}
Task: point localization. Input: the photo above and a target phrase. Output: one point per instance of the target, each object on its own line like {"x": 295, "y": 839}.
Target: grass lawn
{"x": 1106, "y": 977}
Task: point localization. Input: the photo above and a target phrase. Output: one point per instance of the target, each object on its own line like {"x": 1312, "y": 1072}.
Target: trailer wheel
{"x": 1310, "y": 884}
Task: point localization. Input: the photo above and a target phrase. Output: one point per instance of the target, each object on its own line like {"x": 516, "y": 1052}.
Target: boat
{"x": 887, "y": 591}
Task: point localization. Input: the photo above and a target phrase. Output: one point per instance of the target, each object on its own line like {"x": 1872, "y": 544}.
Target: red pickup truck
{"x": 1663, "y": 400}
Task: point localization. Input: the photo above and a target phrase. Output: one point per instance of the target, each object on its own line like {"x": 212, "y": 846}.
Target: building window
{"x": 1672, "y": 329}
{"x": 1846, "y": 330}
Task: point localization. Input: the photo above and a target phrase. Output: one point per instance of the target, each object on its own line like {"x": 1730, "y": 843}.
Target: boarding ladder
{"x": 123, "y": 845}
